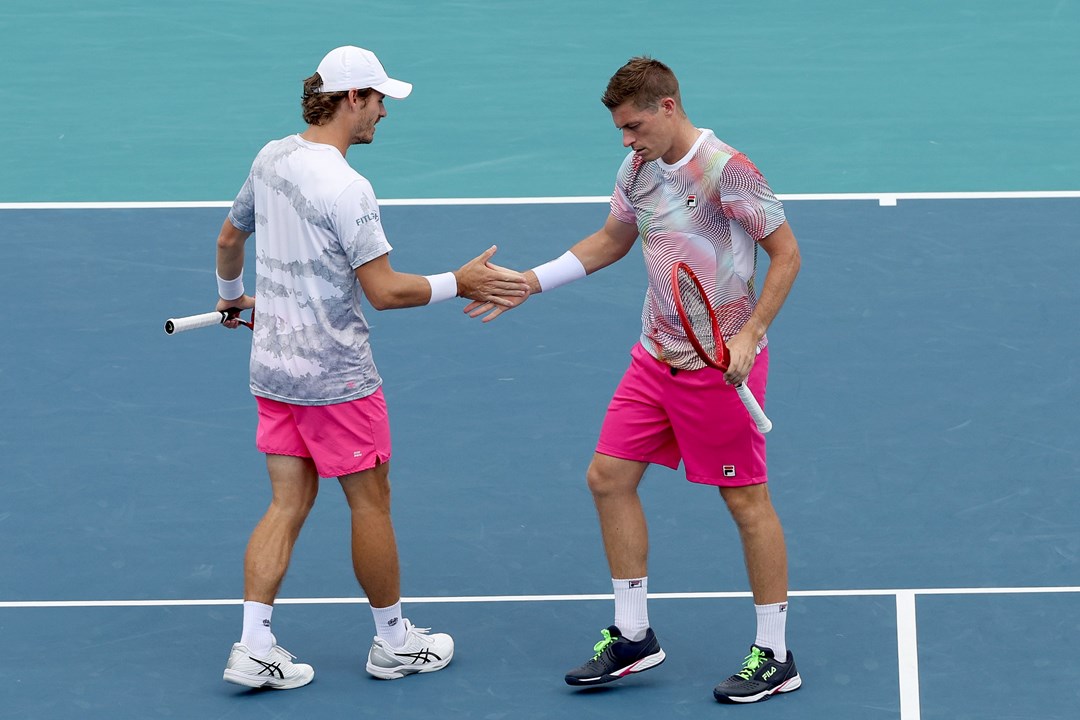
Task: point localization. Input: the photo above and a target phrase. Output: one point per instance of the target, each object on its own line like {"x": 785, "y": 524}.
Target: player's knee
{"x": 602, "y": 483}
{"x": 292, "y": 512}
{"x": 748, "y": 505}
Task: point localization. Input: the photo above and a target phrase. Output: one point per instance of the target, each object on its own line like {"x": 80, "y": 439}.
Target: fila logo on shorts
{"x": 729, "y": 471}
{"x": 691, "y": 201}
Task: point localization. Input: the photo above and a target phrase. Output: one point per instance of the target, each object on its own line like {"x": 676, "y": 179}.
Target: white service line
{"x": 884, "y": 198}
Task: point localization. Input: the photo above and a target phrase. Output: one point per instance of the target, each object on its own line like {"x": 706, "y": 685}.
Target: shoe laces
{"x": 601, "y": 646}
{"x": 411, "y": 629}
{"x": 752, "y": 662}
{"x": 417, "y": 634}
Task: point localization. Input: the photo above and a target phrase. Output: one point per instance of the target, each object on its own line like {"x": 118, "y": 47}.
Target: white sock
{"x": 771, "y": 629}
{"x": 631, "y": 608}
{"x": 257, "y": 637}
{"x": 389, "y": 625}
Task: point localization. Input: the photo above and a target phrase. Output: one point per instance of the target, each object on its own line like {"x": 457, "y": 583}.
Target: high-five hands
{"x": 487, "y": 284}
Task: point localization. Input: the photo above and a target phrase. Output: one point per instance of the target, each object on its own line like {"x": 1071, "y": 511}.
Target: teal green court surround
{"x": 120, "y": 100}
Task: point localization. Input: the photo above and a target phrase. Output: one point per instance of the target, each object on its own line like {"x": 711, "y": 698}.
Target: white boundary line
{"x": 885, "y": 199}
{"x": 15, "y": 604}
{"x": 907, "y": 638}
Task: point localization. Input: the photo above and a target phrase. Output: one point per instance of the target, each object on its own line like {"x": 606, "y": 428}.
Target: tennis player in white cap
{"x": 321, "y": 254}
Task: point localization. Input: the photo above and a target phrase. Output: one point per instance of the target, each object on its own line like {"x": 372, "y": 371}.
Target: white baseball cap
{"x": 349, "y": 67}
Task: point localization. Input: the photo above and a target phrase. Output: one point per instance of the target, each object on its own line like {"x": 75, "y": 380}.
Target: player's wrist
{"x": 755, "y": 329}
{"x": 562, "y": 270}
{"x": 444, "y": 286}
{"x": 229, "y": 290}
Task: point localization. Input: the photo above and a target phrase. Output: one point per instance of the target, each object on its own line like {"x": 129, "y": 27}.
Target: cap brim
{"x": 394, "y": 88}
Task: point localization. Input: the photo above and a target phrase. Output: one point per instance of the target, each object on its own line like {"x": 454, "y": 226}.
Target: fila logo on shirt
{"x": 729, "y": 471}
{"x": 691, "y": 201}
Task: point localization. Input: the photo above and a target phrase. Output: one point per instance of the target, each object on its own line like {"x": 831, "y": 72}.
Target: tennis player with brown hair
{"x": 691, "y": 198}
{"x": 320, "y": 254}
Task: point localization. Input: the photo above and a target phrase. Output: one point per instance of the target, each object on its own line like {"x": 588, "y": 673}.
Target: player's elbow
{"x": 388, "y": 296}
{"x": 786, "y": 256}
{"x": 230, "y": 237}
{"x": 795, "y": 260}
{"x": 380, "y": 300}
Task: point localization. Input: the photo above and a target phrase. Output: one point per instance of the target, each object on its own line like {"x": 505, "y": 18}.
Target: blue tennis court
{"x": 924, "y": 380}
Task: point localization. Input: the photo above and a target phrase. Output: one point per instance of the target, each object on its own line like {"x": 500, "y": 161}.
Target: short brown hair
{"x": 319, "y": 107}
{"x": 644, "y": 81}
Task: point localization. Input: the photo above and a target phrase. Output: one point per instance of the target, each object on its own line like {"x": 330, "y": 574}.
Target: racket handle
{"x": 193, "y": 322}
{"x": 764, "y": 424}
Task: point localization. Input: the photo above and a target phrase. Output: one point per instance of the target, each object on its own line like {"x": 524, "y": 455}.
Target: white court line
{"x": 907, "y": 640}
{"x": 884, "y": 199}
{"x": 907, "y": 650}
{"x": 12, "y": 604}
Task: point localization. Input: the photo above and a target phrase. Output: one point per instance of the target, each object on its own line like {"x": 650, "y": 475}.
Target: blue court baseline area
{"x": 924, "y": 386}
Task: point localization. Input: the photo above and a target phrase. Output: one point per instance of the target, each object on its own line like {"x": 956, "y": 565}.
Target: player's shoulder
{"x": 715, "y": 150}
{"x": 278, "y": 147}
{"x": 727, "y": 160}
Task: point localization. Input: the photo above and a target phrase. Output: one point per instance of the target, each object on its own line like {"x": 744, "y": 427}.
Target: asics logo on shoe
{"x": 271, "y": 669}
{"x": 424, "y": 656}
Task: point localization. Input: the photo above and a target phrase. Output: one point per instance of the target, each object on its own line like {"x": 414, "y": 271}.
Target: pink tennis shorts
{"x": 341, "y": 439}
{"x": 691, "y": 416}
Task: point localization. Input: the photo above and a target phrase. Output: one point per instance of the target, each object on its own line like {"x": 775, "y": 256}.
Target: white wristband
{"x": 443, "y": 287}
{"x": 230, "y": 289}
{"x": 564, "y": 269}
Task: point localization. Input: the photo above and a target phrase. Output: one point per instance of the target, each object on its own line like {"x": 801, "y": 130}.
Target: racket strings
{"x": 697, "y": 313}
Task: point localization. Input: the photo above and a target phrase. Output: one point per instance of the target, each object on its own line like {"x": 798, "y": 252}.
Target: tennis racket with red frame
{"x": 702, "y": 328}
{"x": 194, "y": 322}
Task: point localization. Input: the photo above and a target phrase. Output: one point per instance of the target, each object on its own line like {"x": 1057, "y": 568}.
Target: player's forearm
{"x": 399, "y": 290}
{"x": 595, "y": 252}
{"x": 783, "y": 268}
{"x": 601, "y": 249}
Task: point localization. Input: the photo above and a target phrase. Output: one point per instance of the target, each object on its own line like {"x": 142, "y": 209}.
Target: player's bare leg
{"x": 614, "y": 483}
{"x": 629, "y": 645}
{"x": 762, "y": 539}
{"x": 294, "y": 484}
{"x": 769, "y": 669}
{"x": 399, "y": 649}
{"x": 257, "y": 660}
{"x": 374, "y": 546}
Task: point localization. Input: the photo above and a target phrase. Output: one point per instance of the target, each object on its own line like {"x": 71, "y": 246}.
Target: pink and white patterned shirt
{"x": 708, "y": 210}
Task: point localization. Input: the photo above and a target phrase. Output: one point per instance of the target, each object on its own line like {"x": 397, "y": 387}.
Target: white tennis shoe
{"x": 275, "y": 669}
{"x": 421, "y": 653}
